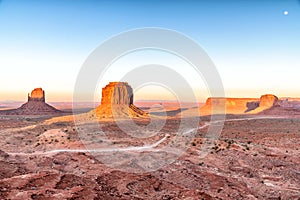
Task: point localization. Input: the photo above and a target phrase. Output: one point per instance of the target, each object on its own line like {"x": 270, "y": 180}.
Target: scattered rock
{"x": 3, "y": 154}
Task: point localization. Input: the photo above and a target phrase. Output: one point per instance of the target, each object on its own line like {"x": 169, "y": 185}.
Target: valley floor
{"x": 255, "y": 158}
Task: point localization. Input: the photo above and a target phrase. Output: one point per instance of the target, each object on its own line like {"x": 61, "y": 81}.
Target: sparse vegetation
{"x": 239, "y": 155}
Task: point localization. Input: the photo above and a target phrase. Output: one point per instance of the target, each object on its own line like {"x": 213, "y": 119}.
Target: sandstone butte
{"x": 117, "y": 101}
{"x": 35, "y": 105}
{"x": 239, "y": 105}
{"x": 38, "y": 94}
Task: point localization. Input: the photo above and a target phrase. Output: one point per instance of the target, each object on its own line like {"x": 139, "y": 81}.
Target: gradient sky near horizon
{"x": 255, "y": 44}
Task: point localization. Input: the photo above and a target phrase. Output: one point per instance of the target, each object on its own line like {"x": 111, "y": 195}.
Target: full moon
{"x": 286, "y": 12}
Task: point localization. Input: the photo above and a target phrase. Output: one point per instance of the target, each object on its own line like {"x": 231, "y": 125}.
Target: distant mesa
{"x": 222, "y": 105}
{"x": 241, "y": 105}
{"x": 35, "y": 106}
{"x": 268, "y": 100}
{"x": 117, "y": 101}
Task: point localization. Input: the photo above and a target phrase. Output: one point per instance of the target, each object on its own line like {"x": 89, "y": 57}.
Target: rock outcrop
{"x": 224, "y": 105}
{"x": 233, "y": 102}
{"x": 268, "y": 100}
{"x": 38, "y": 94}
{"x": 117, "y": 102}
{"x": 36, "y": 105}
{"x": 252, "y": 105}
{"x": 117, "y": 93}
{"x": 239, "y": 105}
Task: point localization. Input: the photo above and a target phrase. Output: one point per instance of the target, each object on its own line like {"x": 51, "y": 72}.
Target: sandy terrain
{"x": 255, "y": 157}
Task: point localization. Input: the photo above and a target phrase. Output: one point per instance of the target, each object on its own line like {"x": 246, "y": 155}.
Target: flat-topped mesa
{"x": 38, "y": 94}
{"x": 117, "y": 93}
{"x": 224, "y": 105}
{"x": 117, "y": 102}
{"x": 219, "y": 101}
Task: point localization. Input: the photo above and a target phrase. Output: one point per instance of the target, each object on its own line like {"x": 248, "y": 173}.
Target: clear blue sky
{"x": 255, "y": 46}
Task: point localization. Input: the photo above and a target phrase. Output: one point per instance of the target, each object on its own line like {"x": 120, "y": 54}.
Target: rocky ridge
{"x": 240, "y": 105}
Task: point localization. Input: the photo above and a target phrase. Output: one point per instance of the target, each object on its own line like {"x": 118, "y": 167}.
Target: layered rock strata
{"x": 117, "y": 101}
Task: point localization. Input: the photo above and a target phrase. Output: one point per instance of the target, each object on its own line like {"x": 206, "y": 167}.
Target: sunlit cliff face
{"x": 239, "y": 105}
{"x": 117, "y": 93}
{"x": 37, "y": 94}
{"x": 117, "y": 101}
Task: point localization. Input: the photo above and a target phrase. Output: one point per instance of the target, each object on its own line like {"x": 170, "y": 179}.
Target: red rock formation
{"x": 228, "y": 101}
{"x": 224, "y": 105}
{"x": 35, "y": 106}
{"x": 37, "y": 94}
{"x": 117, "y": 101}
{"x": 268, "y": 100}
{"x": 117, "y": 93}
{"x": 239, "y": 105}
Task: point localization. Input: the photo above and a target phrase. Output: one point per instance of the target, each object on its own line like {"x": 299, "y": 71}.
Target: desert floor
{"x": 255, "y": 157}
